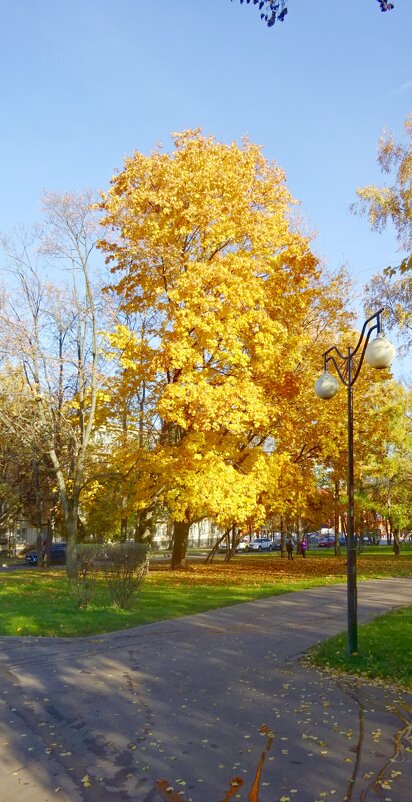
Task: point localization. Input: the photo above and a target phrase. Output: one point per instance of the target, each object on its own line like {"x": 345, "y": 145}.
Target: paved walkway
{"x": 208, "y": 708}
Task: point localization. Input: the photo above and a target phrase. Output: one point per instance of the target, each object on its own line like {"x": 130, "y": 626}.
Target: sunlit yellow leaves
{"x": 230, "y": 299}
{"x": 267, "y": 570}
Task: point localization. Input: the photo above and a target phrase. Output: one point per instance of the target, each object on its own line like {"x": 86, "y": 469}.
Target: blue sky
{"x": 83, "y": 84}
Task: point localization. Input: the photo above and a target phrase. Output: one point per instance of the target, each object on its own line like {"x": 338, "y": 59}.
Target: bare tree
{"x": 51, "y": 329}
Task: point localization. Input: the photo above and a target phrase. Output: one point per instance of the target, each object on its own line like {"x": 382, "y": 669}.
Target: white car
{"x": 261, "y": 544}
{"x": 243, "y": 545}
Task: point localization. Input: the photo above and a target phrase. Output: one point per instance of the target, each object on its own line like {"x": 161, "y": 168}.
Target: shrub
{"x": 83, "y": 586}
{"x": 124, "y": 566}
{"x": 124, "y": 569}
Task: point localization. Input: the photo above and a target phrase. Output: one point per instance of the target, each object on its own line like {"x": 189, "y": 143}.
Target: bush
{"x": 83, "y": 586}
{"x": 124, "y": 566}
{"x": 125, "y": 570}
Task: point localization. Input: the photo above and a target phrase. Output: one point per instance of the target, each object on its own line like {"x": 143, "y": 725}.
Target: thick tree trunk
{"x": 39, "y": 548}
{"x": 144, "y": 526}
{"x": 181, "y": 536}
{"x": 46, "y": 547}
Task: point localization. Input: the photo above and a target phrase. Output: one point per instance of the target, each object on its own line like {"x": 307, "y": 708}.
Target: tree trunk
{"x": 144, "y": 527}
{"x": 71, "y": 538}
{"x": 46, "y": 549}
{"x": 181, "y": 536}
{"x": 215, "y": 547}
{"x": 299, "y": 533}
{"x": 388, "y": 527}
{"x": 123, "y": 530}
{"x": 39, "y": 548}
{"x": 336, "y": 517}
{"x": 396, "y": 544}
{"x": 283, "y": 552}
{"x": 231, "y": 543}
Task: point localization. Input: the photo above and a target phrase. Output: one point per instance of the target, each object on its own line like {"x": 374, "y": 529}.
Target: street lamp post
{"x": 379, "y": 354}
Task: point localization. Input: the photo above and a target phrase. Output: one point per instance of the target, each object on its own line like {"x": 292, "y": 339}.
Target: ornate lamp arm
{"x": 348, "y": 373}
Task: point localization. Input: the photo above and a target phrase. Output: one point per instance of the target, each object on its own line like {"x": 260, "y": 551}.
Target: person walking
{"x": 303, "y": 546}
{"x": 289, "y": 548}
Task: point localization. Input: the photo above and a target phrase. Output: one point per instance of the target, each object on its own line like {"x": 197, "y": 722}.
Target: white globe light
{"x": 326, "y": 386}
{"x": 380, "y": 353}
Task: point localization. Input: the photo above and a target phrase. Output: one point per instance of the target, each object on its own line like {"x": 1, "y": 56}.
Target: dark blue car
{"x": 57, "y": 555}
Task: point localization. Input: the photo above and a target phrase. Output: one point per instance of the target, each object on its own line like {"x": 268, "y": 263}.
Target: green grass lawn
{"x": 37, "y": 602}
{"x": 384, "y": 650}
{"x": 42, "y": 602}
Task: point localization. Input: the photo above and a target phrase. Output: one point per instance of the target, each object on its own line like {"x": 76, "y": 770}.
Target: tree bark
{"x": 144, "y": 526}
{"x": 215, "y": 547}
{"x": 396, "y": 544}
{"x": 300, "y": 534}
{"x": 283, "y": 552}
{"x": 232, "y": 542}
{"x": 181, "y": 536}
{"x": 123, "y": 529}
{"x": 71, "y": 539}
{"x": 336, "y": 516}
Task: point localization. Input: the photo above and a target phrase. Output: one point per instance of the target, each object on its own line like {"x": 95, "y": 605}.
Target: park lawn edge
{"x": 168, "y": 598}
{"x": 377, "y": 661}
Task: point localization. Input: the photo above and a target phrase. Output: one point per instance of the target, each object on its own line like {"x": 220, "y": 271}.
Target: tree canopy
{"x": 392, "y": 203}
{"x": 208, "y": 252}
{"x": 185, "y": 390}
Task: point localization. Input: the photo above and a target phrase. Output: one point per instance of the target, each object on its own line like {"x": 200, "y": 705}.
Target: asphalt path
{"x": 211, "y": 707}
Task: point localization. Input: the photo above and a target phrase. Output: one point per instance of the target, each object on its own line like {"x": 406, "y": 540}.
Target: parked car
{"x": 243, "y": 545}
{"x": 365, "y": 540}
{"x": 326, "y": 543}
{"x": 372, "y": 538}
{"x": 57, "y": 555}
{"x": 329, "y": 542}
{"x": 261, "y": 544}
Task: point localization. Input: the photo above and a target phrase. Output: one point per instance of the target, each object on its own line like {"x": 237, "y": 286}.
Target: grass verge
{"x": 385, "y": 648}
{"x": 37, "y": 602}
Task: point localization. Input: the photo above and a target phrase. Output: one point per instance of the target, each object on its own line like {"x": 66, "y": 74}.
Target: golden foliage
{"x": 212, "y": 260}
{"x": 268, "y": 570}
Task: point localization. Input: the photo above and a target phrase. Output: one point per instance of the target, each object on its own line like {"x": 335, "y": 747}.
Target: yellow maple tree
{"x": 205, "y": 240}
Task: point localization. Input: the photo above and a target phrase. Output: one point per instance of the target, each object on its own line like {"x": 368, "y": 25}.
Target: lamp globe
{"x": 326, "y": 386}
{"x": 380, "y": 352}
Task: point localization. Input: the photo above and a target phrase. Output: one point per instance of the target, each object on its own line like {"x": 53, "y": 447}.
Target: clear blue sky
{"x": 86, "y": 82}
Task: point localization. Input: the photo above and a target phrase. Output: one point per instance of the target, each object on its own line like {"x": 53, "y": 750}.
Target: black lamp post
{"x": 379, "y": 354}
